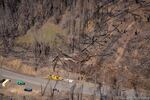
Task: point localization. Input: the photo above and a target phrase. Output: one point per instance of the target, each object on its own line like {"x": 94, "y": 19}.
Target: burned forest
{"x": 101, "y": 42}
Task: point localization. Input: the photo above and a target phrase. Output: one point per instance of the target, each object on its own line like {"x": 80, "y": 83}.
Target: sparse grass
{"x": 20, "y": 90}
{"x": 44, "y": 34}
{"x": 17, "y": 65}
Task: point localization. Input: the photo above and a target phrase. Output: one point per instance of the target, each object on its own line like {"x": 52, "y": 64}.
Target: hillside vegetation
{"x": 107, "y": 41}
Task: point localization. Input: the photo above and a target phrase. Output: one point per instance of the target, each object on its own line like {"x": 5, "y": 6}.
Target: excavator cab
{"x": 55, "y": 77}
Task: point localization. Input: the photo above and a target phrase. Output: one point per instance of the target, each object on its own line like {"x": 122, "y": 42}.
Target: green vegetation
{"x": 45, "y": 34}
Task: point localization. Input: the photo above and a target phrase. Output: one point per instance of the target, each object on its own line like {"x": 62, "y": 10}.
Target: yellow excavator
{"x": 54, "y": 77}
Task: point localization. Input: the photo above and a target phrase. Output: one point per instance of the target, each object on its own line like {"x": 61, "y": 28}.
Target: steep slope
{"x": 106, "y": 39}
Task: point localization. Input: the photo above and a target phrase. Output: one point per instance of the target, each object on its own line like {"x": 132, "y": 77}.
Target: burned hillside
{"x": 104, "y": 40}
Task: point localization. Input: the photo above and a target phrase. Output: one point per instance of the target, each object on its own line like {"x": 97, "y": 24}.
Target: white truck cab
{"x": 5, "y": 82}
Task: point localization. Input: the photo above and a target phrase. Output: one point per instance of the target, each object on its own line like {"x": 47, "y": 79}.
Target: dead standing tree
{"x": 79, "y": 92}
{"x": 43, "y": 91}
{"x": 13, "y": 21}
{"x": 72, "y": 90}
{"x": 41, "y": 51}
{"x": 55, "y": 61}
{"x": 8, "y": 27}
{"x": 52, "y": 90}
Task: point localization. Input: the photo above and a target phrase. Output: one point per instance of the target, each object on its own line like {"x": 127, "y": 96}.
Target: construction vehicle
{"x": 5, "y": 82}
{"x": 54, "y": 77}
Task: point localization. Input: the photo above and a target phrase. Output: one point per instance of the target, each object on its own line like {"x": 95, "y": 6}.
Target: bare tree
{"x": 43, "y": 91}
{"x": 94, "y": 95}
{"x": 79, "y": 92}
{"x": 71, "y": 93}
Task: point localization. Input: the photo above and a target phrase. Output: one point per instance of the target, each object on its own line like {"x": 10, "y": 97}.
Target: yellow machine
{"x": 55, "y": 77}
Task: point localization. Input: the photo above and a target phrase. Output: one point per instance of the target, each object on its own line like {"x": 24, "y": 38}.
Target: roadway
{"x": 60, "y": 85}
{"x": 36, "y": 82}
